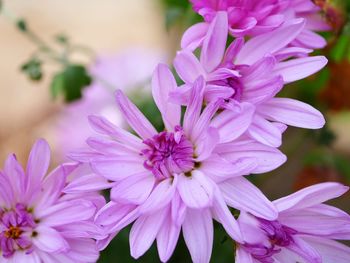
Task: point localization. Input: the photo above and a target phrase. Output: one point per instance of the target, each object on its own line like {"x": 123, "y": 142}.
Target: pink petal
{"x": 160, "y": 196}
{"x": 206, "y": 144}
{"x": 118, "y": 168}
{"x": 330, "y": 251}
{"x": 315, "y": 222}
{"x": 144, "y": 232}
{"x": 67, "y": 212}
{"x": 196, "y": 191}
{"x": 268, "y": 43}
{"x": 292, "y": 112}
{"x": 194, "y": 107}
{"x": 299, "y": 68}
{"x": 111, "y": 147}
{"x": 163, "y": 82}
{"x": 87, "y": 183}
{"x": 214, "y": 44}
{"x": 304, "y": 250}
{"x": 265, "y": 132}
{"x": 198, "y": 234}
{"x": 103, "y": 126}
{"x": 167, "y": 238}
{"x": 267, "y": 158}
{"x": 178, "y": 209}
{"x": 14, "y": 175}
{"x": 38, "y": 163}
{"x": 309, "y": 196}
{"x": 194, "y": 36}
{"x": 215, "y": 92}
{"x": 49, "y": 240}
{"x": 83, "y": 250}
{"x": 134, "y": 117}
{"x": 311, "y": 39}
{"x": 134, "y": 189}
{"x": 188, "y": 66}
{"x": 225, "y": 217}
{"x": 233, "y": 49}
{"x": 239, "y": 193}
{"x": 234, "y": 121}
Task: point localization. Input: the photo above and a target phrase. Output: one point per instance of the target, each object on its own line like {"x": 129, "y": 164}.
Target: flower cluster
{"x": 180, "y": 179}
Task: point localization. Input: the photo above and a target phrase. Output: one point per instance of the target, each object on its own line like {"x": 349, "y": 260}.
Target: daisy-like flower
{"x": 38, "y": 221}
{"x": 304, "y": 231}
{"x": 252, "y": 18}
{"x": 253, "y": 72}
{"x": 178, "y": 178}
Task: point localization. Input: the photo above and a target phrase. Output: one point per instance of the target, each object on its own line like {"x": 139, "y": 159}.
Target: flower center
{"x": 233, "y": 83}
{"x": 168, "y": 153}
{"x": 278, "y": 234}
{"x": 16, "y": 226}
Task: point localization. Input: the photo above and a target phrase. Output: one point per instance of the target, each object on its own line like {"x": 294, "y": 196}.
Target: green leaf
{"x": 32, "y": 69}
{"x": 62, "y": 39}
{"x": 339, "y": 51}
{"x": 70, "y": 82}
{"x": 22, "y": 25}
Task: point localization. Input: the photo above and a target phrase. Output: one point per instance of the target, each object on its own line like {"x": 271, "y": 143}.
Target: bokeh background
{"x": 127, "y": 39}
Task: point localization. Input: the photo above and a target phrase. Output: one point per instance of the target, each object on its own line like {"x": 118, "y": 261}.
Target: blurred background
{"x": 118, "y": 43}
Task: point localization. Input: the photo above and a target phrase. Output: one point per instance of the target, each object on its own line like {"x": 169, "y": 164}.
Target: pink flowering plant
{"x": 222, "y": 124}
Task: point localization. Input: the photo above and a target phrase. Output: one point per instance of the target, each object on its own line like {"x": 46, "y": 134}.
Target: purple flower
{"x": 303, "y": 232}
{"x": 38, "y": 221}
{"x": 182, "y": 177}
{"x": 252, "y": 18}
{"x": 253, "y": 72}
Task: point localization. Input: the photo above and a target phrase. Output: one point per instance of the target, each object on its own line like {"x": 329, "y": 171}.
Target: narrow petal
{"x": 160, "y": 196}
{"x": 225, "y": 217}
{"x": 117, "y": 168}
{"x": 194, "y": 36}
{"x": 299, "y": 68}
{"x": 163, "y": 82}
{"x": 241, "y": 194}
{"x": 305, "y": 250}
{"x": 167, "y": 238}
{"x": 87, "y": 183}
{"x": 242, "y": 256}
{"x": 309, "y": 196}
{"x": 215, "y": 42}
{"x": 292, "y": 112}
{"x": 268, "y": 158}
{"x": 311, "y": 39}
{"x": 196, "y": 191}
{"x": 268, "y": 43}
{"x": 49, "y": 240}
{"x": 144, "y": 232}
{"x": 198, "y": 234}
{"x": 233, "y": 49}
{"x": 206, "y": 144}
{"x": 38, "y": 163}
{"x": 265, "y": 132}
{"x": 134, "y": 117}
{"x": 187, "y": 66}
{"x": 14, "y": 174}
{"x": 134, "y": 189}
{"x": 193, "y": 110}
{"x": 234, "y": 121}
{"x": 103, "y": 126}
{"x": 67, "y": 212}
{"x": 330, "y": 251}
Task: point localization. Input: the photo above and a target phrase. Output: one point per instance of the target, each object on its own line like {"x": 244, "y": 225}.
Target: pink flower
{"x": 303, "y": 232}
{"x": 253, "y": 72}
{"x": 252, "y": 18}
{"x": 182, "y": 177}
{"x": 38, "y": 221}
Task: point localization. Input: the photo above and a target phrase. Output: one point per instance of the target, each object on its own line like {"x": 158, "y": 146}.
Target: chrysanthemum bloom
{"x": 252, "y": 18}
{"x": 304, "y": 231}
{"x": 253, "y": 73}
{"x": 38, "y": 222}
{"x": 178, "y": 178}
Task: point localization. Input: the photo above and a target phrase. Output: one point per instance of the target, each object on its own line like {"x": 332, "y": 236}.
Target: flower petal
{"x": 144, "y": 232}
{"x": 49, "y": 240}
{"x": 188, "y": 66}
{"x": 214, "y": 44}
{"x": 239, "y": 193}
{"x": 194, "y": 36}
{"x": 292, "y": 112}
{"x": 270, "y": 42}
{"x": 134, "y": 117}
{"x": 299, "y": 68}
{"x": 309, "y": 196}
{"x": 196, "y": 191}
{"x": 163, "y": 82}
{"x": 198, "y": 234}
